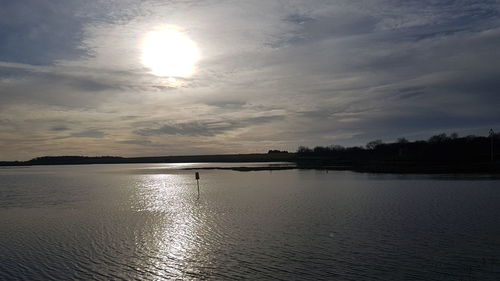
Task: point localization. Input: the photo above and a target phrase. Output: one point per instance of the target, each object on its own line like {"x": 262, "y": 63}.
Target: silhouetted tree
{"x": 304, "y": 150}
{"x": 438, "y": 138}
{"x": 373, "y": 144}
{"x": 275, "y": 151}
{"x": 402, "y": 140}
{"x": 335, "y": 147}
{"x": 438, "y": 148}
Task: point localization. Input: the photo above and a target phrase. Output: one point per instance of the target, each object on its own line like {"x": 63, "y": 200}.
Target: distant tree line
{"x": 438, "y": 148}
{"x": 71, "y": 160}
{"x": 276, "y": 151}
{"x": 271, "y": 156}
{"x": 440, "y": 153}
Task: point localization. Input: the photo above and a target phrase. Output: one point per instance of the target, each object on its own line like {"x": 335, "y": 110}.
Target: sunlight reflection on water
{"x": 175, "y": 235}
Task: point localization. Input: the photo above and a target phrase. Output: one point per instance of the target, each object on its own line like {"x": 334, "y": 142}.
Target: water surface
{"x": 147, "y": 222}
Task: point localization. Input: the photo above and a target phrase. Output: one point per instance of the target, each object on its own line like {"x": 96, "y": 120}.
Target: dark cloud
{"x": 59, "y": 128}
{"x": 88, "y": 134}
{"x": 138, "y": 142}
{"x": 39, "y": 31}
{"x": 206, "y": 128}
{"x": 298, "y": 18}
{"x": 410, "y": 92}
{"x": 130, "y": 117}
{"x": 89, "y": 85}
{"x": 227, "y": 104}
{"x": 54, "y": 88}
{"x": 188, "y": 129}
{"x": 310, "y": 30}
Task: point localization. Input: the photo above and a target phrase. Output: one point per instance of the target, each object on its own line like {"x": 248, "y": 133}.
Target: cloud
{"x": 42, "y": 32}
{"x": 59, "y": 128}
{"x": 227, "y": 104}
{"x": 271, "y": 74}
{"x": 206, "y": 128}
{"x": 88, "y": 134}
{"x": 27, "y": 31}
{"x": 138, "y": 142}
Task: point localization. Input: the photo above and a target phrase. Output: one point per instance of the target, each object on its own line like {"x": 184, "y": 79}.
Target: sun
{"x": 168, "y": 52}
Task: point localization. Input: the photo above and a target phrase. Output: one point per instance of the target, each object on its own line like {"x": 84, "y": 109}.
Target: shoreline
{"x": 288, "y": 161}
{"x": 381, "y": 169}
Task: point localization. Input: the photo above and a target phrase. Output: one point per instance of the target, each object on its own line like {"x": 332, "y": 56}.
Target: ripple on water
{"x": 284, "y": 225}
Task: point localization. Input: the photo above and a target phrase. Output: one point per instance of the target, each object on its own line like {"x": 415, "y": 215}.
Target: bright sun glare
{"x": 168, "y": 52}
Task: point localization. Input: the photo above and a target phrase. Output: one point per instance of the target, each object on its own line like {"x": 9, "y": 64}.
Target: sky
{"x": 270, "y": 75}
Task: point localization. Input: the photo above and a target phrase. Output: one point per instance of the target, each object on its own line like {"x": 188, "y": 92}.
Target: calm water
{"x": 147, "y": 222}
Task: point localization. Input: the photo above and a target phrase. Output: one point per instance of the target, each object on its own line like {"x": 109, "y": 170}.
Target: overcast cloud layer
{"x": 273, "y": 75}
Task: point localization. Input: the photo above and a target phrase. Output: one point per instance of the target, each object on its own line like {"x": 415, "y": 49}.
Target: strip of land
{"x": 222, "y": 158}
{"x": 291, "y": 161}
{"x": 439, "y": 154}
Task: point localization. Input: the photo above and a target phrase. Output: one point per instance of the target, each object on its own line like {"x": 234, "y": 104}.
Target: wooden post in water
{"x": 197, "y": 176}
{"x": 492, "y": 135}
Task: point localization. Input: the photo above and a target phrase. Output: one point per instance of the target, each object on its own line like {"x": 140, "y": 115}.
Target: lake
{"x": 147, "y": 222}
